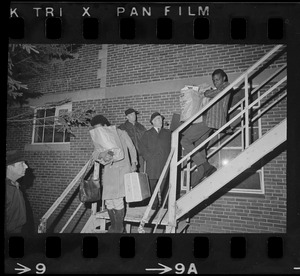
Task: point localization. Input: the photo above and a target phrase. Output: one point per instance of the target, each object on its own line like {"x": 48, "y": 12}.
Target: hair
{"x": 99, "y": 119}
{"x": 220, "y": 72}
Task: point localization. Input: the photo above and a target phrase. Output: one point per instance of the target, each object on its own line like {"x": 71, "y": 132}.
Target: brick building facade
{"x": 110, "y": 79}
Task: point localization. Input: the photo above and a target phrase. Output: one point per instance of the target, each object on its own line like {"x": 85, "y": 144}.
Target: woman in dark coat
{"x": 155, "y": 146}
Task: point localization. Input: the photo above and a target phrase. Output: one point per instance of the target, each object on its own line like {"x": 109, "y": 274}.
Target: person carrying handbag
{"x": 113, "y": 174}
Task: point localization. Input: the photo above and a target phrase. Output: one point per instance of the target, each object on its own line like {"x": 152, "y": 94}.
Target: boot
{"x": 112, "y": 228}
{"x": 119, "y": 220}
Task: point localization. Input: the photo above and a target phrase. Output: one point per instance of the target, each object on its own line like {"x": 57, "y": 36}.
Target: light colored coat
{"x": 113, "y": 175}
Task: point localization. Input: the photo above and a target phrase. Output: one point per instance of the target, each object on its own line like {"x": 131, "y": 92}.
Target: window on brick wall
{"x": 254, "y": 182}
{"x": 47, "y": 128}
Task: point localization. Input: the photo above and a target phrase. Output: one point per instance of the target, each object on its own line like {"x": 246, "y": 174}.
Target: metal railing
{"x": 42, "y": 228}
{"x": 176, "y": 162}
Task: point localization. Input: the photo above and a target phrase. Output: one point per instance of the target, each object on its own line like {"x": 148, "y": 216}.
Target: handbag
{"x": 89, "y": 190}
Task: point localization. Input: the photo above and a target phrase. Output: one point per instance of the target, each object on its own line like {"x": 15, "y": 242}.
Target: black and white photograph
{"x": 152, "y": 138}
{"x": 146, "y": 138}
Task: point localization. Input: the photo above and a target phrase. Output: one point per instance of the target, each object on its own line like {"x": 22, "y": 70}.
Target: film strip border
{"x": 201, "y": 247}
{"x": 93, "y": 23}
{"x": 164, "y": 28}
{"x": 156, "y": 253}
{"x": 148, "y": 23}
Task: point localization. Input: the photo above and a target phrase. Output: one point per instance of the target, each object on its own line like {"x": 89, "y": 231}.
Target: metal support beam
{"x": 243, "y": 161}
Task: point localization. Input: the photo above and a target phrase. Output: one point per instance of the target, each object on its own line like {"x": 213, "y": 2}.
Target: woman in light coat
{"x": 113, "y": 175}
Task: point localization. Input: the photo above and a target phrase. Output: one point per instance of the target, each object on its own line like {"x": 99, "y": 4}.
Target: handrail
{"x": 160, "y": 218}
{"x": 231, "y": 121}
{"x": 242, "y": 100}
{"x": 155, "y": 192}
{"x": 244, "y": 77}
{"x": 43, "y": 220}
{"x": 239, "y": 130}
{"x": 225, "y": 91}
{"x": 70, "y": 219}
{"x": 259, "y": 87}
{"x": 269, "y": 107}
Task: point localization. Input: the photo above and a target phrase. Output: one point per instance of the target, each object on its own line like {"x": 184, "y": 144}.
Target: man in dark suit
{"x": 155, "y": 146}
{"x": 135, "y": 130}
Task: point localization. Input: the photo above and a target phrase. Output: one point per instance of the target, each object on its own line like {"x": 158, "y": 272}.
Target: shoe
{"x": 196, "y": 179}
{"x": 210, "y": 171}
{"x": 206, "y": 174}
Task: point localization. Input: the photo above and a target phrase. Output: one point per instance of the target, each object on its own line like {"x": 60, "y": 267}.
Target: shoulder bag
{"x": 89, "y": 190}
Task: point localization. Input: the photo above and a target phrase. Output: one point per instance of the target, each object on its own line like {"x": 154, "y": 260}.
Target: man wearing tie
{"x": 155, "y": 146}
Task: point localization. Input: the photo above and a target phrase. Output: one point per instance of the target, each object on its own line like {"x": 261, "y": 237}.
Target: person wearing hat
{"x": 15, "y": 209}
{"x": 155, "y": 148}
{"x": 113, "y": 176}
{"x": 135, "y": 130}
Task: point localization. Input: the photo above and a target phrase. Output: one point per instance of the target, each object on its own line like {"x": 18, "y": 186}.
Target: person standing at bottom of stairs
{"x": 113, "y": 175}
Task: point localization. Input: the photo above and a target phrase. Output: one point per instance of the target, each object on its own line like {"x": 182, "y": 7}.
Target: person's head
{"x": 219, "y": 77}
{"x": 130, "y": 114}
{"x": 156, "y": 119}
{"x": 99, "y": 120}
{"x": 15, "y": 165}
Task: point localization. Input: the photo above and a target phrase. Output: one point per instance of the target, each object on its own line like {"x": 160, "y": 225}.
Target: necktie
{"x": 158, "y": 130}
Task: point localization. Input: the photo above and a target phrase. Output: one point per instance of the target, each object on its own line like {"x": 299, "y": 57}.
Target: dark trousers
{"x": 141, "y": 165}
{"x": 193, "y": 137}
{"x": 161, "y": 193}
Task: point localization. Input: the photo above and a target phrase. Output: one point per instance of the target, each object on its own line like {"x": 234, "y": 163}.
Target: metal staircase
{"x": 173, "y": 216}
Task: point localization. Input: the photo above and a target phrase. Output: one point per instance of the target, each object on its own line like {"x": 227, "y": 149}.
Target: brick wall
{"x": 130, "y": 64}
{"x": 75, "y": 74}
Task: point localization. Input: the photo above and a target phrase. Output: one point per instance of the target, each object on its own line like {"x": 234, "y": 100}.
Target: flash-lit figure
{"x": 214, "y": 119}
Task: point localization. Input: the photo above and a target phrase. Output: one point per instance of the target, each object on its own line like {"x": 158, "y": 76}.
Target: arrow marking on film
{"x": 163, "y": 270}
{"x": 23, "y": 269}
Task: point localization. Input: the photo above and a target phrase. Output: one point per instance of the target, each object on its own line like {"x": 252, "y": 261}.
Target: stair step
{"x": 135, "y": 214}
{"x": 99, "y": 231}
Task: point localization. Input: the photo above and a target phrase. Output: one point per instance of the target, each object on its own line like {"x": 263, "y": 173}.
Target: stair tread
{"x": 135, "y": 214}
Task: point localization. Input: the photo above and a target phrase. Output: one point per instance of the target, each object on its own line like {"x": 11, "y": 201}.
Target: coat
{"x": 155, "y": 148}
{"x": 15, "y": 208}
{"x": 135, "y": 131}
{"x": 113, "y": 175}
